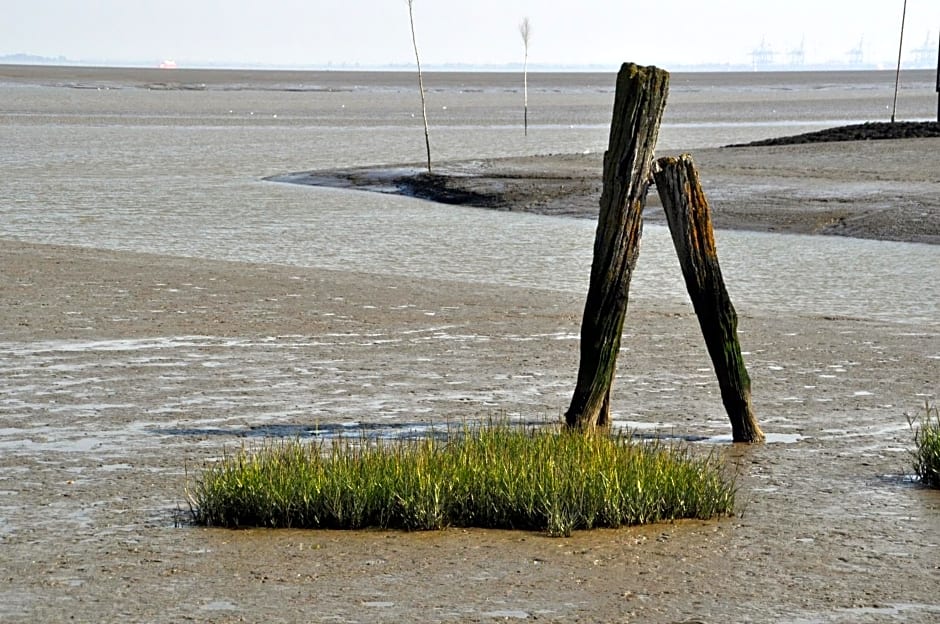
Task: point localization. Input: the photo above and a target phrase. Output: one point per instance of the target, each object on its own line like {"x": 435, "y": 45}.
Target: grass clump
{"x": 496, "y": 476}
{"x": 926, "y": 454}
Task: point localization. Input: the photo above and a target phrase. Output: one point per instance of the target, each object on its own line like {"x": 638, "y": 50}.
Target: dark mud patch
{"x": 561, "y": 192}
{"x": 871, "y": 131}
{"x": 557, "y": 184}
{"x": 447, "y": 190}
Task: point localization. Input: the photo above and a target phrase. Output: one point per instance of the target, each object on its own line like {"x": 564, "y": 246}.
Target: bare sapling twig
{"x": 424, "y": 107}
{"x": 525, "y": 29}
{"x": 897, "y": 75}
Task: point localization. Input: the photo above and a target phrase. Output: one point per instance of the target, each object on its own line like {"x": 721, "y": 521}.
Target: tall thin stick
{"x": 525, "y": 29}
{"x": 897, "y": 76}
{"x": 424, "y": 106}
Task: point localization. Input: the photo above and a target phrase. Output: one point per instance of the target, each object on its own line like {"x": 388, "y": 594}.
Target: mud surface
{"x": 819, "y": 183}
{"x": 123, "y": 373}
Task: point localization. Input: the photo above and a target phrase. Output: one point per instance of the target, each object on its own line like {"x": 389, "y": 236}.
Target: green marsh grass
{"x": 926, "y": 454}
{"x": 497, "y": 476}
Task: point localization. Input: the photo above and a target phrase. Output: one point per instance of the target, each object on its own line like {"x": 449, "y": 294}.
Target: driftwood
{"x": 689, "y": 217}
{"x": 639, "y": 102}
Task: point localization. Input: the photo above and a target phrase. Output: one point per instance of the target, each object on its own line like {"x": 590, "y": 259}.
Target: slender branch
{"x": 897, "y": 76}
{"x": 424, "y": 106}
{"x": 525, "y": 29}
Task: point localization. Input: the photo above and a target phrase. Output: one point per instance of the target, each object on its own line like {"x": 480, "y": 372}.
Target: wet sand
{"x": 126, "y": 372}
{"x": 878, "y": 189}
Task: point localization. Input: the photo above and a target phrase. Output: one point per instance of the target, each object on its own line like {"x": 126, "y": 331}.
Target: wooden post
{"x": 689, "y": 218}
{"x": 639, "y": 102}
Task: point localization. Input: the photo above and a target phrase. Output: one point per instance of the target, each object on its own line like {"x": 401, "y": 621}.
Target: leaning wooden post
{"x": 689, "y": 218}
{"x": 639, "y": 102}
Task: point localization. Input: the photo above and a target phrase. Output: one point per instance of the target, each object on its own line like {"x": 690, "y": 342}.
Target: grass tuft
{"x": 496, "y": 476}
{"x": 926, "y": 454}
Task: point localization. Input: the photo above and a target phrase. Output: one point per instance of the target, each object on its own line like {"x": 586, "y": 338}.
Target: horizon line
{"x": 167, "y": 64}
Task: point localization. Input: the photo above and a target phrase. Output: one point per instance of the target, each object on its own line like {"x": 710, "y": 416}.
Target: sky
{"x": 366, "y": 33}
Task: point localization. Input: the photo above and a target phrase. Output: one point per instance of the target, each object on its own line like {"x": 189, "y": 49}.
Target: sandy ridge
{"x": 875, "y": 189}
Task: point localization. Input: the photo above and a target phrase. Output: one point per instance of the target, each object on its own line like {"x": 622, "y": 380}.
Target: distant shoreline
{"x": 31, "y": 60}
{"x": 595, "y": 79}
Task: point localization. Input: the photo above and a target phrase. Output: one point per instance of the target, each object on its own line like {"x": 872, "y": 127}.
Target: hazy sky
{"x": 376, "y": 32}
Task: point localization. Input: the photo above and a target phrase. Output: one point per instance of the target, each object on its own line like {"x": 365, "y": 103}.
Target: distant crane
{"x": 857, "y": 54}
{"x": 798, "y": 55}
{"x": 763, "y": 55}
{"x": 923, "y": 56}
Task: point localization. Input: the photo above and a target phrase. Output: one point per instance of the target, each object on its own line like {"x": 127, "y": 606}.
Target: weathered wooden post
{"x": 689, "y": 218}
{"x": 639, "y": 102}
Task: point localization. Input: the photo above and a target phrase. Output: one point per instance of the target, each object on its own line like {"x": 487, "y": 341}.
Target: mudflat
{"x": 874, "y": 189}
{"x": 125, "y": 373}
